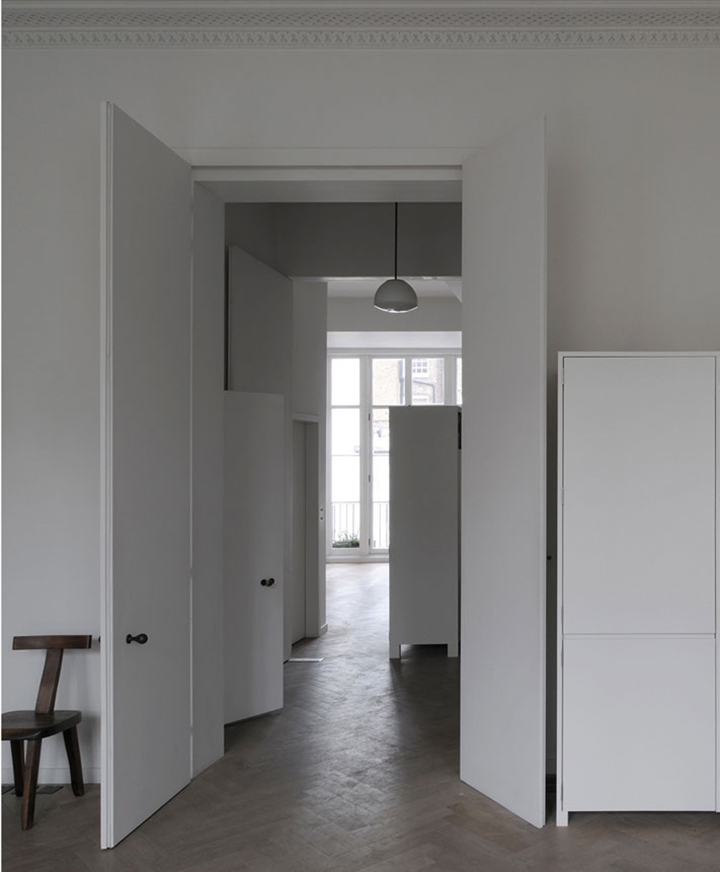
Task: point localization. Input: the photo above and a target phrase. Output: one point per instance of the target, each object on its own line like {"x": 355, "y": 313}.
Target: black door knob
{"x": 267, "y": 582}
{"x": 140, "y": 639}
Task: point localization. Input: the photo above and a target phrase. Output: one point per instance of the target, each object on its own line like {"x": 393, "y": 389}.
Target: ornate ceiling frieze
{"x": 425, "y": 27}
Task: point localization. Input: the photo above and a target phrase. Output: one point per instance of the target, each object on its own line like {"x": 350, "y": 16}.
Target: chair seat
{"x": 24, "y": 725}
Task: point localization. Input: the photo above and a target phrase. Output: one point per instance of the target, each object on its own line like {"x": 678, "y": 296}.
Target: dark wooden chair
{"x": 34, "y": 726}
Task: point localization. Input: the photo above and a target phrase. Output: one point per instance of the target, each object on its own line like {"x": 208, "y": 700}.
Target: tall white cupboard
{"x": 637, "y": 582}
{"x": 424, "y": 527}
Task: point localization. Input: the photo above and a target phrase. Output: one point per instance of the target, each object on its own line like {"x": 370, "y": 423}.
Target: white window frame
{"x": 366, "y": 552}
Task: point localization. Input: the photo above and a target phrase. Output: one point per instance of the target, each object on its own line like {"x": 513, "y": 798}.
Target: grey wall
{"x": 309, "y": 370}
{"x": 309, "y": 397}
{"x": 261, "y": 327}
{"x": 349, "y": 239}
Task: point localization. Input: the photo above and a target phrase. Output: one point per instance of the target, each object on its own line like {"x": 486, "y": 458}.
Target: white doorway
{"x": 306, "y": 567}
{"x": 504, "y": 476}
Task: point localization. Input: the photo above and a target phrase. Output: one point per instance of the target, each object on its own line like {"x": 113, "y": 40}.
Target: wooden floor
{"x": 359, "y": 772}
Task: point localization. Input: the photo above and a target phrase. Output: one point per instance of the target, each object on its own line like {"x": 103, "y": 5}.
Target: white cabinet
{"x": 424, "y": 527}
{"x": 637, "y": 582}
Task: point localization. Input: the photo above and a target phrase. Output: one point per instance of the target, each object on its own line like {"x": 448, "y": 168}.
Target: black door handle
{"x": 141, "y": 639}
{"x": 267, "y": 582}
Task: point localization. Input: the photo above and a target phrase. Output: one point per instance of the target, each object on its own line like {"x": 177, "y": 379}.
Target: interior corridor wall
{"x": 309, "y": 397}
{"x": 634, "y": 219}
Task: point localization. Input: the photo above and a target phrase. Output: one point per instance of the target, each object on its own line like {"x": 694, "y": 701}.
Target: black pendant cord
{"x": 396, "y": 237}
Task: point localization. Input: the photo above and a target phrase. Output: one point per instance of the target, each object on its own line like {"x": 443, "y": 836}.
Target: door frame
{"x": 314, "y": 562}
{"x": 386, "y": 170}
{"x": 291, "y": 175}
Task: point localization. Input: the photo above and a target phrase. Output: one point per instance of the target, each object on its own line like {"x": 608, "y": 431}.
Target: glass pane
{"x": 380, "y": 431}
{"x": 381, "y": 479}
{"x": 345, "y": 381}
{"x": 458, "y": 382}
{"x": 345, "y": 432}
{"x": 381, "y": 526}
{"x": 345, "y": 502}
{"x": 388, "y": 381}
{"x": 346, "y": 480}
{"x": 428, "y": 381}
{"x": 381, "y": 502}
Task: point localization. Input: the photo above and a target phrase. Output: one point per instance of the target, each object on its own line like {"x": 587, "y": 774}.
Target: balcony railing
{"x": 381, "y": 526}
{"x": 346, "y": 525}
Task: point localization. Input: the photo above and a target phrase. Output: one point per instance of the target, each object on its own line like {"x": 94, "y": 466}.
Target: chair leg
{"x": 32, "y": 766}
{"x": 16, "y": 747}
{"x": 72, "y": 746}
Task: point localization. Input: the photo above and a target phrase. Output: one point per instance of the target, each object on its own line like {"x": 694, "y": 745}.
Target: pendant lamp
{"x": 395, "y": 295}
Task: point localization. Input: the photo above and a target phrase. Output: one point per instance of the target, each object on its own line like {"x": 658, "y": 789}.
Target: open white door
{"x": 254, "y": 553}
{"x": 145, "y": 533}
{"x": 502, "y": 727}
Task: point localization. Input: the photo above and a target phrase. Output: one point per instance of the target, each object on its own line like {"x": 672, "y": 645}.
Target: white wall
{"x": 208, "y": 472}
{"x": 634, "y": 220}
{"x": 358, "y": 314}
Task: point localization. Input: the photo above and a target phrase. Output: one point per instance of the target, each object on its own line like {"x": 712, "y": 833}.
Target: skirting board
{"x": 322, "y": 632}
{"x": 56, "y": 775}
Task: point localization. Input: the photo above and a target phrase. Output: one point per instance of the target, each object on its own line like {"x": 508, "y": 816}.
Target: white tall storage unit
{"x": 424, "y": 527}
{"x": 637, "y": 582}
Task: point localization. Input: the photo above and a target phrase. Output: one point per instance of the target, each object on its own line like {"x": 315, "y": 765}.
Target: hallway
{"x": 359, "y": 772}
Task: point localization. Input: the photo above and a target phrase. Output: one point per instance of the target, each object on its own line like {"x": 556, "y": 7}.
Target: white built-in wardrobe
{"x": 637, "y": 582}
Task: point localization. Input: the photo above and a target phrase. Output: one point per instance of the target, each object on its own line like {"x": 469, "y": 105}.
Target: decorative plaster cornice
{"x": 423, "y": 27}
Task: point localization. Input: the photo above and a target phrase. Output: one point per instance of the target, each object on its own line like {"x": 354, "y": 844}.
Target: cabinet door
{"x": 639, "y": 724}
{"x": 639, "y": 492}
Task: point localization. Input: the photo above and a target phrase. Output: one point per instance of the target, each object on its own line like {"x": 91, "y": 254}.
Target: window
{"x": 345, "y": 460}
{"x": 362, "y": 389}
{"x": 428, "y": 382}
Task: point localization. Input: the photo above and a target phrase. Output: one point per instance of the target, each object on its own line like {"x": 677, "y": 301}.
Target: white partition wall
{"x": 637, "y": 586}
{"x": 424, "y": 527}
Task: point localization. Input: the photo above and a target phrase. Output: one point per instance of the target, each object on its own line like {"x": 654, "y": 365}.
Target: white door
{"x": 146, "y": 241}
{"x": 254, "y": 553}
{"x": 502, "y": 727}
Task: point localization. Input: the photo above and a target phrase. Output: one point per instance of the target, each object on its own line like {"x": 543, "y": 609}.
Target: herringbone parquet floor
{"x": 358, "y": 773}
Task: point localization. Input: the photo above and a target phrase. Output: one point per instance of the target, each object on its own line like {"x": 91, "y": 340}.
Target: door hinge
{"x": 369, "y": 546}
{"x": 562, "y": 793}
{"x": 562, "y": 496}
{"x": 562, "y": 375}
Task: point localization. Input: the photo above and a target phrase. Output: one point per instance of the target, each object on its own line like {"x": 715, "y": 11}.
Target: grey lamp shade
{"x": 395, "y": 295}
